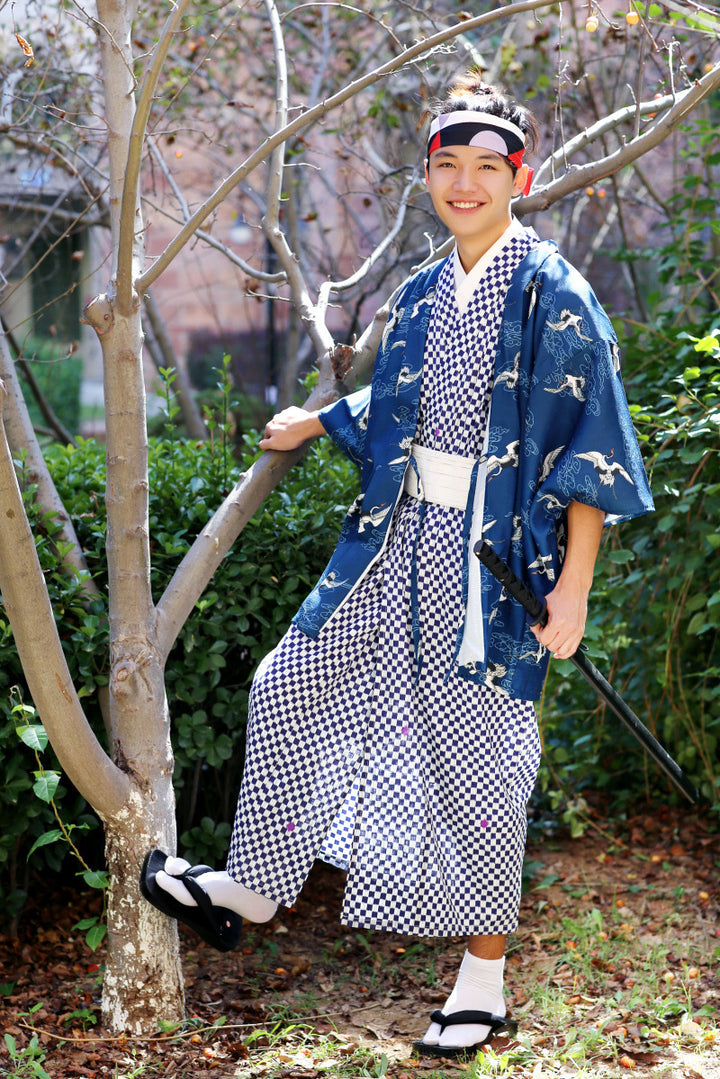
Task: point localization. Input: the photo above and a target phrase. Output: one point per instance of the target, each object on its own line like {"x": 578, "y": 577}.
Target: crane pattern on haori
{"x": 559, "y": 430}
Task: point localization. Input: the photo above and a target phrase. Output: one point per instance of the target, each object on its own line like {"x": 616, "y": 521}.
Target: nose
{"x": 464, "y": 178}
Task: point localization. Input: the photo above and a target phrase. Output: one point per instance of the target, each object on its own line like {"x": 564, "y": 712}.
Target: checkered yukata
{"x": 379, "y": 760}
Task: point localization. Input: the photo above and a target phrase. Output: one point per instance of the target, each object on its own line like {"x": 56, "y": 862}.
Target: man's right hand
{"x": 290, "y": 428}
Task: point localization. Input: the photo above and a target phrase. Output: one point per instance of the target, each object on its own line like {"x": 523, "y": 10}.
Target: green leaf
{"x": 45, "y": 785}
{"x": 698, "y": 624}
{"x": 547, "y": 882}
{"x": 86, "y": 923}
{"x": 96, "y": 878}
{"x": 95, "y": 936}
{"x": 169, "y": 1026}
{"x": 621, "y": 557}
{"x": 34, "y": 736}
{"x": 46, "y": 839}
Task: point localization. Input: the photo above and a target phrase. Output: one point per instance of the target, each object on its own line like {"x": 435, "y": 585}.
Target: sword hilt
{"x": 512, "y": 584}
{"x": 537, "y": 610}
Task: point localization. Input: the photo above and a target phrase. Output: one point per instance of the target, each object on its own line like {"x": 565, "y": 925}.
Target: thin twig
{"x": 131, "y": 186}
{"x": 207, "y": 237}
{"x": 183, "y": 1034}
{"x": 307, "y": 119}
{"x": 329, "y": 287}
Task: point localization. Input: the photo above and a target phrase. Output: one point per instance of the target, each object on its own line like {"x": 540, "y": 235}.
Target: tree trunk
{"x": 143, "y": 975}
{"x": 143, "y": 980}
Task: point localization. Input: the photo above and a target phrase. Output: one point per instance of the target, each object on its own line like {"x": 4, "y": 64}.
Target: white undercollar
{"x": 466, "y": 283}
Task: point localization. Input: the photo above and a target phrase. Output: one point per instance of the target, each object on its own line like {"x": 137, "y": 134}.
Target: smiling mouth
{"x": 457, "y": 205}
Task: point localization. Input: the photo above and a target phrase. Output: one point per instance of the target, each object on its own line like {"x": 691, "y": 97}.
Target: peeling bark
{"x": 143, "y": 979}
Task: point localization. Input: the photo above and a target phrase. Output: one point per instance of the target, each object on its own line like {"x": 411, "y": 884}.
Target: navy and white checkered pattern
{"x": 337, "y": 844}
{"x": 455, "y": 393}
{"x": 415, "y": 780}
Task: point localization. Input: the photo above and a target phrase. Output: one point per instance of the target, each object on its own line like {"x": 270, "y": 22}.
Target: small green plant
{"x": 32, "y": 734}
{"x": 28, "y": 1061}
{"x": 219, "y": 420}
{"x": 85, "y": 1016}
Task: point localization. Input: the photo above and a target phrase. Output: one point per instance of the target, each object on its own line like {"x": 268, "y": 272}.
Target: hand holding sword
{"x": 538, "y": 612}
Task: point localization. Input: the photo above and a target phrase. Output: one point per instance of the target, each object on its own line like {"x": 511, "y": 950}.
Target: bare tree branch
{"x": 130, "y": 195}
{"x": 581, "y": 175}
{"x": 28, "y": 607}
{"x": 207, "y": 237}
{"x": 277, "y": 163}
{"x": 308, "y": 312}
{"x": 311, "y": 116}
{"x": 329, "y": 287}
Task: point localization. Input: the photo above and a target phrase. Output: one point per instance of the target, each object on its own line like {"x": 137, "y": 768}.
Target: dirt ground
{"x": 620, "y": 932}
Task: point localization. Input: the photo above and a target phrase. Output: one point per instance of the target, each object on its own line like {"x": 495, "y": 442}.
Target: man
{"x": 392, "y": 732}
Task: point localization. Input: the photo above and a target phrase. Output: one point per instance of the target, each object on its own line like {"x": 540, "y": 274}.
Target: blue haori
{"x": 365, "y": 747}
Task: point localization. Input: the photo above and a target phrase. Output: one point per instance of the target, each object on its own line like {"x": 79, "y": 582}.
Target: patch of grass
{"x": 418, "y": 961}
{"x": 297, "y": 1047}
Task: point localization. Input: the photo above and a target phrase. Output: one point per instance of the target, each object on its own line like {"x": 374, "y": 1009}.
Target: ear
{"x": 521, "y": 179}
{"x": 427, "y": 176}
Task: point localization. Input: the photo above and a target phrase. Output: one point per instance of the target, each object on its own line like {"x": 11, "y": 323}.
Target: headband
{"x": 468, "y": 127}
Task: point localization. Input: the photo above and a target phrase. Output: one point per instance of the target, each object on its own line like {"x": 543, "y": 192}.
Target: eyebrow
{"x": 482, "y": 155}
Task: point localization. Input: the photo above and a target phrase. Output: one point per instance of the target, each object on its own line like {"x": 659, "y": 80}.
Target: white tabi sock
{"x": 220, "y": 887}
{"x": 479, "y": 987}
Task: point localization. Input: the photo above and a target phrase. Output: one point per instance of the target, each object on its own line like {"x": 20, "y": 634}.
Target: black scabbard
{"x": 538, "y": 612}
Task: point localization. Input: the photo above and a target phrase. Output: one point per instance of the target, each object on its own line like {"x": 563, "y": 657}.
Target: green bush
{"x": 250, "y": 601}
{"x": 655, "y": 616}
{"x": 23, "y": 817}
{"x": 655, "y": 606}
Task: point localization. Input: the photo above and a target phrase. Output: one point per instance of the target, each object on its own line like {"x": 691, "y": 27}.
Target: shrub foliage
{"x": 655, "y": 605}
{"x": 251, "y": 599}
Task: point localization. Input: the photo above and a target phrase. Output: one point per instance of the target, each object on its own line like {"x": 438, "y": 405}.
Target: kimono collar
{"x": 467, "y": 283}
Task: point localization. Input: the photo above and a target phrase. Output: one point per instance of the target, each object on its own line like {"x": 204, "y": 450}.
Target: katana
{"x": 537, "y": 610}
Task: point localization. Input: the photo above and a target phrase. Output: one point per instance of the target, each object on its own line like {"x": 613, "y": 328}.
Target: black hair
{"x": 470, "y": 92}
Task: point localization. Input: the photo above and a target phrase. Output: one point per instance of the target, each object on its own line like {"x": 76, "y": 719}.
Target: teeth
{"x": 466, "y": 205}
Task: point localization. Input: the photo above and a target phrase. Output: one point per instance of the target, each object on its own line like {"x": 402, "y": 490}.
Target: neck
{"x": 472, "y": 249}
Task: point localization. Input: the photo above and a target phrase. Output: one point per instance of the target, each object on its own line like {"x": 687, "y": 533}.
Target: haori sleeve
{"x": 586, "y": 447}
{"x": 346, "y": 422}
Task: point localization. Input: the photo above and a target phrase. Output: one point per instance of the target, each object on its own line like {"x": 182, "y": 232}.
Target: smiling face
{"x": 471, "y": 189}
